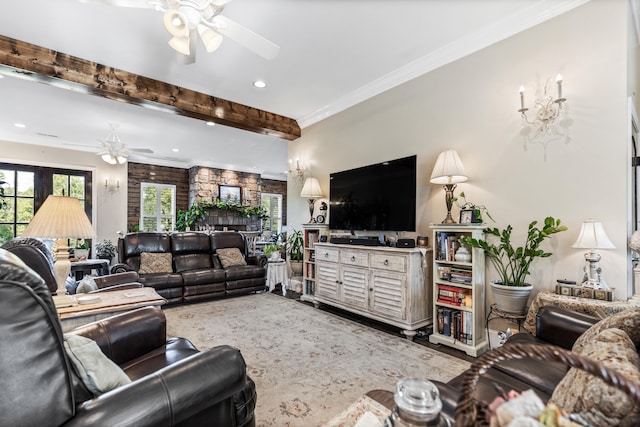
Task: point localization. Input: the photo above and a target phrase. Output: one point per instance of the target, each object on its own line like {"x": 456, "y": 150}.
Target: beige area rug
{"x": 308, "y": 365}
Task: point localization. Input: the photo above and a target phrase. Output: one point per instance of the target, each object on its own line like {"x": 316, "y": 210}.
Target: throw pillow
{"x": 230, "y": 257}
{"x": 155, "y": 263}
{"x": 86, "y": 285}
{"x": 97, "y": 372}
{"x": 627, "y": 320}
{"x": 587, "y": 395}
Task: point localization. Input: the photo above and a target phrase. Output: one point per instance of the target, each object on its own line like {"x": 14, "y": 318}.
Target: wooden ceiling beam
{"x": 36, "y": 63}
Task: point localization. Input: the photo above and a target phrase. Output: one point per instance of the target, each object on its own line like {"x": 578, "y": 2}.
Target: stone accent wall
{"x": 140, "y": 172}
{"x": 203, "y": 184}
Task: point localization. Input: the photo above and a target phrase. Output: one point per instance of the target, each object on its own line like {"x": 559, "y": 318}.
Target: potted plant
{"x": 81, "y": 250}
{"x": 106, "y": 250}
{"x": 295, "y": 248}
{"x": 512, "y": 263}
{"x": 478, "y": 210}
{"x": 272, "y": 251}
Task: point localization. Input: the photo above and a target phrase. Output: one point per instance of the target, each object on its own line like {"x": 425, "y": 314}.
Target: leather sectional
{"x": 196, "y": 271}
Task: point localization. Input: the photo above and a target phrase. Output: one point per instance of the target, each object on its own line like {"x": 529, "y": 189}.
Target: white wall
{"x": 109, "y": 207}
{"x": 470, "y": 105}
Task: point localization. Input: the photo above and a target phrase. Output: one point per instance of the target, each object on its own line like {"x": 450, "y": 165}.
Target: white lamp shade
{"x": 593, "y": 236}
{"x": 210, "y": 38}
{"x": 180, "y": 44}
{"x": 311, "y": 189}
{"x": 176, "y": 23}
{"x": 60, "y": 217}
{"x": 448, "y": 169}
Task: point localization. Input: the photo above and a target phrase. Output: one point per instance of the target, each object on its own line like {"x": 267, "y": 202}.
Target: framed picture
{"x": 230, "y": 193}
{"x": 469, "y": 216}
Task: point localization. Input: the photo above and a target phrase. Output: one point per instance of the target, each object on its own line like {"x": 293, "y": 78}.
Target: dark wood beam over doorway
{"x": 21, "y": 59}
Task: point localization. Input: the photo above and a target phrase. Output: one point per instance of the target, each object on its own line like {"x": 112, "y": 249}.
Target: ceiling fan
{"x": 114, "y": 151}
{"x": 186, "y": 19}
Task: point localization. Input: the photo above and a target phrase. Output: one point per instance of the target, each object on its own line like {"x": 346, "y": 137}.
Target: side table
{"x": 496, "y": 313}
{"x": 110, "y": 303}
{"x": 593, "y": 307}
{"x": 80, "y": 268}
{"x": 277, "y": 273}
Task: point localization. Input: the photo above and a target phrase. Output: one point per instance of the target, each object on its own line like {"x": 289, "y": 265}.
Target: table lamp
{"x": 311, "y": 190}
{"x": 448, "y": 171}
{"x": 60, "y": 217}
{"x": 592, "y": 236}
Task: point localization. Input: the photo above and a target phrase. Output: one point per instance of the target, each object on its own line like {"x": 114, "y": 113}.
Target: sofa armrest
{"x": 122, "y": 287}
{"x": 120, "y": 268}
{"x": 171, "y": 395}
{"x": 129, "y": 335}
{"x": 116, "y": 279}
{"x": 260, "y": 260}
{"x": 561, "y": 327}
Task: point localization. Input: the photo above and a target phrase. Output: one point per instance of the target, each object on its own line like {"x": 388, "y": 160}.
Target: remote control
{"x": 566, "y": 282}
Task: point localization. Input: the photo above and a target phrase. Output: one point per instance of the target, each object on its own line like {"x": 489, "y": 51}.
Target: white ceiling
{"x": 333, "y": 54}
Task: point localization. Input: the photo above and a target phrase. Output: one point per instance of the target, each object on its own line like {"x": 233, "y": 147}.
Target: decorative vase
{"x": 511, "y": 299}
{"x": 463, "y": 254}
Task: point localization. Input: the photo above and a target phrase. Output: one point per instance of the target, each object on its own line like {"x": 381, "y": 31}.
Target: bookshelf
{"x": 458, "y": 290}
{"x": 312, "y": 233}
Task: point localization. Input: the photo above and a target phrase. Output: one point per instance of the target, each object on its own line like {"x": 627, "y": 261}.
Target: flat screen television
{"x": 378, "y": 197}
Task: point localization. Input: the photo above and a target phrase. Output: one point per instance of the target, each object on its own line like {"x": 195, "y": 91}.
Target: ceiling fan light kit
{"x": 183, "y": 18}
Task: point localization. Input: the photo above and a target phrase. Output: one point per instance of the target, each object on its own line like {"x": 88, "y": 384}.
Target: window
{"x": 26, "y": 188}
{"x": 158, "y": 207}
{"x": 272, "y": 204}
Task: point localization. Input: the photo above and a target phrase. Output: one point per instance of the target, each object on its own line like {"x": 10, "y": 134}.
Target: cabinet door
{"x": 327, "y": 280}
{"x": 355, "y": 286}
{"x": 387, "y": 294}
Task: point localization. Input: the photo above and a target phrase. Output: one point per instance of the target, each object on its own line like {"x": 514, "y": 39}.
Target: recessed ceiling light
{"x": 259, "y": 84}
{"x": 175, "y": 150}
{"x": 211, "y": 124}
{"x": 20, "y": 125}
{"x": 1, "y": 76}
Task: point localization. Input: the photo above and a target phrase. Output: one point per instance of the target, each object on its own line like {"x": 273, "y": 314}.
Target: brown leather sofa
{"x": 196, "y": 273}
{"x": 173, "y": 384}
{"x": 555, "y": 326}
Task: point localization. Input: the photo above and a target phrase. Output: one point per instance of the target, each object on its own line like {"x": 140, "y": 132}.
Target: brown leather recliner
{"x": 173, "y": 384}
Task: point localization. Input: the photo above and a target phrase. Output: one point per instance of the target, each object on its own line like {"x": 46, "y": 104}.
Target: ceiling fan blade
{"x": 146, "y": 4}
{"x": 246, "y": 37}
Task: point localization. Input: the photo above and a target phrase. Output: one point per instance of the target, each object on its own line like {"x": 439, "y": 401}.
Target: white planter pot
{"x": 296, "y": 267}
{"x": 511, "y": 299}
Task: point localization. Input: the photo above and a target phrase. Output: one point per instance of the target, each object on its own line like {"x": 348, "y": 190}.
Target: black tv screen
{"x": 379, "y": 197}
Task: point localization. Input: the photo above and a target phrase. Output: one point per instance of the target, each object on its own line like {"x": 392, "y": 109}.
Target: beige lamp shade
{"x": 593, "y": 236}
{"x": 60, "y": 217}
{"x": 448, "y": 169}
{"x": 311, "y": 189}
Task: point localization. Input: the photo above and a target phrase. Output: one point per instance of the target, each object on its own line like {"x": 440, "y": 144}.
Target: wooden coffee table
{"x": 110, "y": 303}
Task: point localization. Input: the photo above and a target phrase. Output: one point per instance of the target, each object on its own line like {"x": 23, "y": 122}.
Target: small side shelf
{"x": 312, "y": 233}
{"x": 458, "y": 291}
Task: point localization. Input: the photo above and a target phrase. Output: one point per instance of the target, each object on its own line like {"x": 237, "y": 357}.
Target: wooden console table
{"x": 110, "y": 303}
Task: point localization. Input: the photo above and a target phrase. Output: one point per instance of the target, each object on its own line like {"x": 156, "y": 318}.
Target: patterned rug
{"x": 308, "y": 365}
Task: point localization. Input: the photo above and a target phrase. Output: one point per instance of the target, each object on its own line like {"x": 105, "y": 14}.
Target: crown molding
{"x": 531, "y": 16}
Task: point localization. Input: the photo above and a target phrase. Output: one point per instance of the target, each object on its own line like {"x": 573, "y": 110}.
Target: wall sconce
{"x": 298, "y": 172}
{"x": 109, "y": 185}
{"x": 547, "y": 110}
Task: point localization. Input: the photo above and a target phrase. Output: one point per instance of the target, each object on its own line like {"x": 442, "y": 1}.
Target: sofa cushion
{"x": 627, "y": 320}
{"x": 240, "y": 272}
{"x": 186, "y": 262}
{"x": 97, "y": 372}
{"x": 161, "y": 280}
{"x": 155, "y": 263}
{"x": 585, "y": 394}
{"x": 202, "y": 277}
{"x": 230, "y": 257}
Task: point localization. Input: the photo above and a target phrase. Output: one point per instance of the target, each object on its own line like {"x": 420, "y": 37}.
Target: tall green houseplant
{"x": 512, "y": 263}
{"x": 295, "y": 250}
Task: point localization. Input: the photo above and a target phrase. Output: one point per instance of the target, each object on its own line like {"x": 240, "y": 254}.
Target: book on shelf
{"x": 453, "y": 295}
{"x": 446, "y": 246}
{"x": 456, "y": 324}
